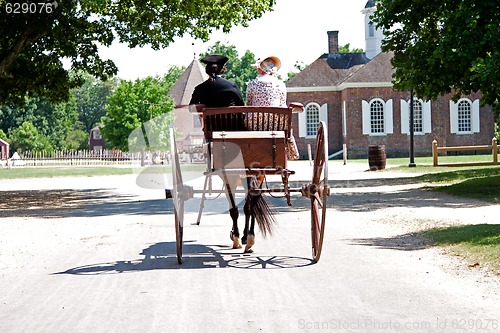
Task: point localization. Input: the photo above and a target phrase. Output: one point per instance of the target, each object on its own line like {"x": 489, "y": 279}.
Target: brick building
{"x": 96, "y": 141}
{"x": 353, "y": 94}
{"x": 4, "y": 150}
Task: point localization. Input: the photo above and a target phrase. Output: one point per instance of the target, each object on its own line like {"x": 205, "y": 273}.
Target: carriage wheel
{"x": 319, "y": 191}
{"x": 177, "y": 196}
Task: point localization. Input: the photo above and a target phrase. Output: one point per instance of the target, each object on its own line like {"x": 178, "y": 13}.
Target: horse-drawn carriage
{"x": 247, "y": 142}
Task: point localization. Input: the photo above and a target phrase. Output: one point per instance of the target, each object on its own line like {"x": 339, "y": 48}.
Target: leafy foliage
{"x": 27, "y": 137}
{"x": 91, "y": 99}
{"x": 3, "y": 136}
{"x": 347, "y": 49}
{"x": 443, "y": 47}
{"x": 57, "y": 124}
{"x": 134, "y": 104}
{"x": 33, "y": 44}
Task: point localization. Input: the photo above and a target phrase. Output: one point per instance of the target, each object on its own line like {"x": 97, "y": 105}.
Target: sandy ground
{"x": 97, "y": 254}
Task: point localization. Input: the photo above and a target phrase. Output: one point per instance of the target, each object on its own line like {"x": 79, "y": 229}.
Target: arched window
{"x": 421, "y": 116}
{"x": 418, "y": 118}
{"x": 309, "y": 119}
{"x": 312, "y": 118}
{"x": 464, "y": 116}
{"x": 377, "y": 116}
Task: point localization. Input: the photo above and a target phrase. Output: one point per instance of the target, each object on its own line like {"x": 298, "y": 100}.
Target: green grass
{"x": 481, "y": 183}
{"x": 476, "y": 182}
{"x": 475, "y": 243}
{"x": 43, "y": 172}
{"x": 428, "y": 161}
{"x": 486, "y": 188}
{"x": 49, "y": 172}
{"x": 479, "y": 243}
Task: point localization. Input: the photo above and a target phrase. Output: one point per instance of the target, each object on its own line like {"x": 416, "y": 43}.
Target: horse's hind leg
{"x": 250, "y": 241}
{"x": 246, "y": 209}
{"x": 249, "y": 215}
{"x": 233, "y": 212}
{"x": 235, "y": 233}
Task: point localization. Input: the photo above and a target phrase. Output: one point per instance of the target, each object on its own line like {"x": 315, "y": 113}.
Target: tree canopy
{"x": 36, "y": 35}
{"x": 134, "y": 104}
{"x": 443, "y": 47}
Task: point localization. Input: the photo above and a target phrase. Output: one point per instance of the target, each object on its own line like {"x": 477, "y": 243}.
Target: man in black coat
{"x": 216, "y": 91}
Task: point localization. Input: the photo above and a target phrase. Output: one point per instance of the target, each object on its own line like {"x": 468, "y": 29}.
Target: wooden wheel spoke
{"x": 178, "y": 188}
{"x": 320, "y": 191}
{"x": 318, "y": 199}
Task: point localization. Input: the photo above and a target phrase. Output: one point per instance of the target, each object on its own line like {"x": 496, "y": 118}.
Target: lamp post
{"x": 146, "y": 140}
{"x": 150, "y": 108}
{"x": 412, "y": 132}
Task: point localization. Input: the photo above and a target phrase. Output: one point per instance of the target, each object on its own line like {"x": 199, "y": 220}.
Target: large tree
{"x": 36, "y": 35}
{"x": 444, "y": 46}
{"x": 134, "y": 104}
{"x": 91, "y": 99}
{"x": 57, "y": 123}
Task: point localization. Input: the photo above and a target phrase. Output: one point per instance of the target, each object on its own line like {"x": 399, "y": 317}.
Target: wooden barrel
{"x": 376, "y": 157}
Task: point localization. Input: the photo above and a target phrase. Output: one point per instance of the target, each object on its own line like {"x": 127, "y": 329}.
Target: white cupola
{"x": 373, "y": 36}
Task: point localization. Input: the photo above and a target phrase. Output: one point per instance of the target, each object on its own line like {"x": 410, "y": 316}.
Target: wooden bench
{"x": 247, "y": 137}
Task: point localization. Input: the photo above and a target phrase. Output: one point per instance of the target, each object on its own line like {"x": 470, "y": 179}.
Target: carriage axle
{"x": 187, "y": 192}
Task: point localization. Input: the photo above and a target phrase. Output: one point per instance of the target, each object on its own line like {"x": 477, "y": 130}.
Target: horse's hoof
{"x": 250, "y": 240}
{"x": 248, "y": 249}
{"x": 236, "y": 243}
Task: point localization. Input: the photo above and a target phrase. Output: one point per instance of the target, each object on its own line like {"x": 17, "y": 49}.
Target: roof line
{"x": 342, "y": 86}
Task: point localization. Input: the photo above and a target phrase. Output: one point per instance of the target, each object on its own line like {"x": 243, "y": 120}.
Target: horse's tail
{"x": 263, "y": 210}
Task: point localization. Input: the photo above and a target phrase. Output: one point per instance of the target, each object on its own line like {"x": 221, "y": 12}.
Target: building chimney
{"x": 333, "y": 42}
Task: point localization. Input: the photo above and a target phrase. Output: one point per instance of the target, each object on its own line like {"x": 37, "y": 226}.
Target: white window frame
{"x": 387, "y": 114}
{"x": 371, "y": 30}
{"x": 323, "y": 116}
{"x": 475, "y": 119}
{"x": 426, "y": 117}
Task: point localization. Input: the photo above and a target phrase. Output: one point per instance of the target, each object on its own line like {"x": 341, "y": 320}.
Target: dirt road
{"x": 97, "y": 254}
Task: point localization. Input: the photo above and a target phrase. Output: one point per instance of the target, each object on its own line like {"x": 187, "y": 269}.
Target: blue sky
{"x": 294, "y": 31}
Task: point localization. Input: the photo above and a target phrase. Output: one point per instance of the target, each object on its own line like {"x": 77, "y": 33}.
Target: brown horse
{"x": 257, "y": 208}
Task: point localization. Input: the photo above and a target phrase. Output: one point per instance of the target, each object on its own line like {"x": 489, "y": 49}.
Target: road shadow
{"x": 406, "y": 242}
{"x": 367, "y": 201}
{"x": 77, "y": 203}
{"x": 162, "y": 256}
{"x": 362, "y": 197}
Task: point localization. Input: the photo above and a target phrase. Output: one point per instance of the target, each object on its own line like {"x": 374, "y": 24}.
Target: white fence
{"x": 80, "y": 158}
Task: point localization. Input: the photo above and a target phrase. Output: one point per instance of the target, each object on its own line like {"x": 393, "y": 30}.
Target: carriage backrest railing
{"x": 246, "y": 118}
{"x": 263, "y": 120}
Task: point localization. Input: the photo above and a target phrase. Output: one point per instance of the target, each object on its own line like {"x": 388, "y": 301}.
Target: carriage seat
{"x": 259, "y": 133}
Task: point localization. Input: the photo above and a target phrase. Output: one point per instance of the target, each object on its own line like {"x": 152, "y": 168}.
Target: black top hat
{"x": 214, "y": 59}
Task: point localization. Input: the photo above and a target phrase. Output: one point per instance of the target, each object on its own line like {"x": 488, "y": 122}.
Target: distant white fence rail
{"x": 493, "y": 147}
{"x": 83, "y": 158}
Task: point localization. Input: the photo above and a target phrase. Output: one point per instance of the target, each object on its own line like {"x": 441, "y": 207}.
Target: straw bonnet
{"x": 269, "y": 65}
